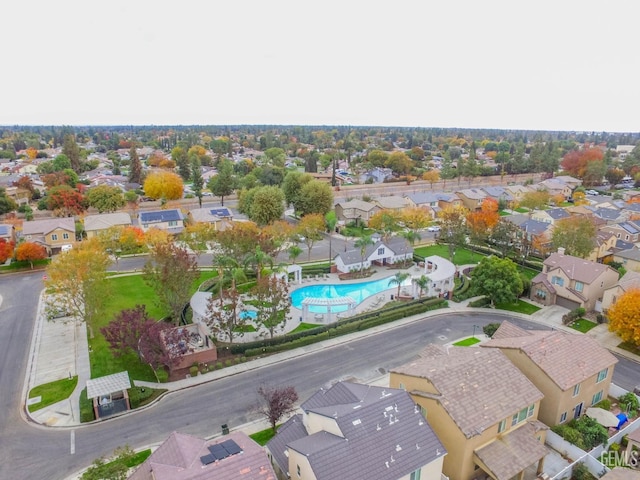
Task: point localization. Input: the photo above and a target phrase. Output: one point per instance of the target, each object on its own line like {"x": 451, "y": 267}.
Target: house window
{"x": 298, "y": 470}
{"x": 579, "y": 286}
{"x": 415, "y": 475}
{"x": 541, "y": 293}
{"x": 596, "y": 398}
{"x": 173, "y": 223}
{"x": 401, "y": 386}
{"x": 502, "y": 426}
{"x": 602, "y": 375}
{"x": 423, "y": 411}
{"x": 563, "y": 417}
{"x": 65, "y": 236}
{"x": 576, "y": 390}
{"x": 54, "y": 237}
{"x": 381, "y": 251}
{"x": 626, "y": 237}
{"x": 522, "y": 415}
{"x": 145, "y": 225}
{"x": 557, "y": 281}
{"x": 530, "y": 412}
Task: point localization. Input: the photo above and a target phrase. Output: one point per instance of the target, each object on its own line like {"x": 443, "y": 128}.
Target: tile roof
{"x": 106, "y": 220}
{"x": 477, "y": 389}
{"x": 472, "y": 193}
{"x": 43, "y": 227}
{"x": 384, "y": 434}
{"x": 630, "y": 280}
{"x": 391, "y": 202}
{"x": 558, "y": 213}
{"x": 180, "y": 458}
{"x": 510, "y": 454}
{"x": 157, "y": 216}
{"x": 622, "y": 473}
{"x": 554, "y": 351}
{"x": 358, "y": 205}
{"x": 575, "y": 268}
{"x": 534, "y": 227}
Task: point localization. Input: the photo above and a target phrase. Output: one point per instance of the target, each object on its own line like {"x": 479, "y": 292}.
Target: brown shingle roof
{"x": 576, "y": 268}
{"x": 622, "y": 473}
{"x": 566, "y": 358}
{"x": 476, "y": 389}
{"x": 42, "y": 227}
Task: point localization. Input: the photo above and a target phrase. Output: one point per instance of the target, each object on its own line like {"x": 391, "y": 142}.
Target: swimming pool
{"x": 248, "y": 314}
{"x": 358, "y": 291}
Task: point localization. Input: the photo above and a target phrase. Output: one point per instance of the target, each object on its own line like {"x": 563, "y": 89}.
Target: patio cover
{"x": 510, "y": 454}
{"x": 107, "y": 385}
{"x": 603, "y": 417}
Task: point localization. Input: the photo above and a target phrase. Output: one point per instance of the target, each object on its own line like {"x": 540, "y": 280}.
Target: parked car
{"x": 433, "y": 228}
{"x": 591, "y": 192}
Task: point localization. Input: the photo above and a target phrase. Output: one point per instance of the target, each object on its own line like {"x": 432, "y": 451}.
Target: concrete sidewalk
{"x": 53, "y": 355}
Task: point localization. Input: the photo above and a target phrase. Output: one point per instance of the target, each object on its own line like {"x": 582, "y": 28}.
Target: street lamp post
{"x": 474, "y": 330}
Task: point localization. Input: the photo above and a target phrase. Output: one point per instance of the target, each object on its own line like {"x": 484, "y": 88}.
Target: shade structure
{"x": 603, "y": 417}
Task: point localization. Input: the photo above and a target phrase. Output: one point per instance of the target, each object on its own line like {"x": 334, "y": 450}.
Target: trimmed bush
{"x": 490, "y": 329}
{"x": 481, "y": 302}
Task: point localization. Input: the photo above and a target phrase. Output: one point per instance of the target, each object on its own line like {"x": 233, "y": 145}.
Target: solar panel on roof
{"x": 218, "y": 451}
{"x": 231, "y": 447}
{"x": 207, "y": 459}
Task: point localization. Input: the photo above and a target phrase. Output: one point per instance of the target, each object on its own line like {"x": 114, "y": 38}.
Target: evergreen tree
{"x": 135, "y": 167}
{"x": 223, "y": 184}
{"x": 198, "y": 182}
{"x": 72, "y": 151}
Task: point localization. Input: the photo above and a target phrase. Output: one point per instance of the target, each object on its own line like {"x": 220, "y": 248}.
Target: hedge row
{"x": 355, "y": 323}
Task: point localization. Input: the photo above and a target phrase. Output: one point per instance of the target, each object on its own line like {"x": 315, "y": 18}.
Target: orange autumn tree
{"x": 575, "y": 162}
{"x": 30, "y": 252}
{"x": 6, "y": 250}
{"x": 482, "y": 222}
{"x": 163, "y": 184}
{"x": 624, "y": 317}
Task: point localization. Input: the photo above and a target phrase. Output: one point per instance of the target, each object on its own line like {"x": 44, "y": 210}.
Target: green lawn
{"x": 244, "y": 329}
{"x": 504, "y": 214}
{"x": 262, "y": 437}
{"x": 583, "y": 325}
{"x": 126, "y": 292}
{"x": 304, "y": 326}
{"x": 521, "y": 307}
{"x": 522, "y": 210}
{"x": 630, "y": 347}
{"x": 528, "y": 272}
{"x": 52, "y": 392}
{"x": 462, "y": 256}
{"x": 467, "y": 342}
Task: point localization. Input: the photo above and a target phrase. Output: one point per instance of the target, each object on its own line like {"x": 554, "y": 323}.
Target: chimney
{"x": 560, "y": 250}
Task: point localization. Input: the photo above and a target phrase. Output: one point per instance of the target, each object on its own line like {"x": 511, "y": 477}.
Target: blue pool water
{"x": 250, "y": 314}
{"x": 357, "y": 291}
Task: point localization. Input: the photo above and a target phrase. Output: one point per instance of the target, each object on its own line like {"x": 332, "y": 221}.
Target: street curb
{"x": 32, "y": 362}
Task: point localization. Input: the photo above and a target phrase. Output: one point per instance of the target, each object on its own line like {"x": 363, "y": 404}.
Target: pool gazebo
{"x": 328, "y": 303}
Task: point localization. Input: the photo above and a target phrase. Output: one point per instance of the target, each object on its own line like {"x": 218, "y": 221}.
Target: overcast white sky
{"x": 550, "y": 65}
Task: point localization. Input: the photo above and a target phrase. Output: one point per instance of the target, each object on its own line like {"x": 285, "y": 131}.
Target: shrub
{"x": 481, "y": 302}
{"x": 163, "y": 375}
{"x": 585, "y": 433}
{"x": 219, "y": 365}
{"x": 604, "y": 404}
{"x": 629, "y": 403}
{"x": 193, "y": 370}
{"x": 490, "y": 329}
{"x": 580, "y": 472}
{"x": 614, "y": 447}
{"x": 228, "y": 363}
{"x": 573, "y": 315}
{"x": 86, "y": 408}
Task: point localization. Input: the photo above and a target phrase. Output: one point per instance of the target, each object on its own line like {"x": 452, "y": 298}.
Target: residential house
{"x": 604, "y": 247}
{"x": 94, "y": 224}
{"x": 383, "y": 252}
{"x": 550, "y": 216}
{"x": 376, "y": 175}
{"x": 500, "y": 194}
{"x": 569, "y": 180}
{"x": 7, "y": 232}
{"x": 357, "y": 431}
{"x": 168, "y": 220}
{"x": 472, "y": 198}
{"x": 356, "y": 211}
{"x": 555, "y": 188}
{"x": 572, "y": 282}
{"x": 391, "y": 202}
{"x": 609, "y": 215}
{"x": 572, "y": 370}
{"x": 628, "y": 231}
{"x": 630, "y": 280}
{"x": 233, "y": 456}
{"x": 483, "y": 409}
{"x": 629, "y": 258}
{"x": 20, "y": 195}
{"x": 51, "y": 233}
{"x": 433, "y": 201}
{"x": 220, "y": 217}
{"x": 518, "y": 191}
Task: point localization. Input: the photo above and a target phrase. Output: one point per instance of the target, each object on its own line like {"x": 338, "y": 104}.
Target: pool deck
{"x": 373, "y": 302}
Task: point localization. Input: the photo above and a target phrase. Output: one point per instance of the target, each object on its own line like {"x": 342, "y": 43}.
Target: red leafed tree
{"x": 575, "y": 162}
{"x": 482, "y": 222}
{"x": 30, "y": 252}
{"x": 6, "y": 250}
{"x": 162, "y": 345}
{"x": 125, "y": 331}
{"x": 276, "y": 402}
{"x": 64, "y": 201}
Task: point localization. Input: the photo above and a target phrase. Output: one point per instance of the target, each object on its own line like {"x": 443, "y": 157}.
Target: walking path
{"x": 52, "y": 355}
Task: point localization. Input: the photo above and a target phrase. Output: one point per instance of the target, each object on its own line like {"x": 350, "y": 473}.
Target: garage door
{"x": 565, "y": 302}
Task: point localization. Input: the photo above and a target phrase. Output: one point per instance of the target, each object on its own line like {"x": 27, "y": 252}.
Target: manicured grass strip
{"x": 462, "y": 256}
{"x": 522, "y": 210}
{"x": 467, "y": 342}
{"x": 304, "y": 326}
{"x": 630, "y": 347}
{"x": 244, "y": 329}
{"x": 52, "y": 392}
{"x": 583, "y": 325}
{"x": 262, "y": 437}
{"x": 520, "y": 307}
{"x": 138, "y": 458}
{"x": 528, "y": 272}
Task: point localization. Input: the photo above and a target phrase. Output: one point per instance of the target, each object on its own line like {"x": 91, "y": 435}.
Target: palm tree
{"x": 362, "y": 243}
{"x": 258, "y": 259}
{"x": 423, "y": 283}
{"x": 398, "y": 279}
{"x": 294, "y": 252}
{"x": 411, "y": 236}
